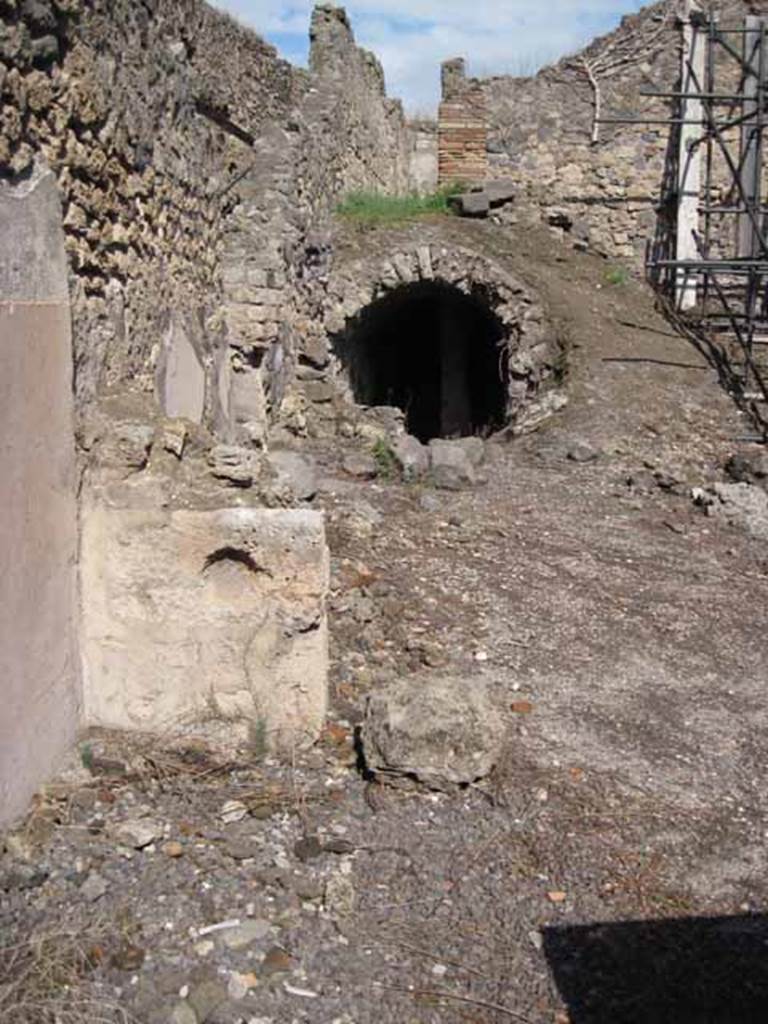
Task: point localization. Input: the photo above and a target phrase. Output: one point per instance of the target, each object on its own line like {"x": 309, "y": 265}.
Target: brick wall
{"x": 462, "y": 128}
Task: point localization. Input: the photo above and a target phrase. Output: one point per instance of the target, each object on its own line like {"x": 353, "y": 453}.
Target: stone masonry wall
{"x": 604, "y": 191}
{"x": 190, "y": 172}
{"x": 171, "y": 129}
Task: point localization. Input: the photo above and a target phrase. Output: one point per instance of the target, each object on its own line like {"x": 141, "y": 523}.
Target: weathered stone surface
{"x": 412, "y": 456}
{"x": 749, "y": 468}
{"x": 38, "y": 533}
{"x": 500, "y": 192}
{"x": 182, "y": 377}
{"x": 443, "y": 731}
{"x": 187, "y": 613}
{"x": 451, "y": 468}
{"x": 473, "y": 448}
{"x": 471, "y": 204}
{"x": 239, "y": 466}
{"x": 361, "y": 466}
{"x": 296, "y": 472}
{"x": 743, "y": 506}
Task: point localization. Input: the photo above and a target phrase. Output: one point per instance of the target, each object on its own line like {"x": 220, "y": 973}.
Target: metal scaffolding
{"x": 709, "y": 257}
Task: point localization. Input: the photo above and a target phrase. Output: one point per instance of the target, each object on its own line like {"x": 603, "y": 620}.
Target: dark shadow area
{"x": 694, "y": 971}
{"x": 433, "y": 352}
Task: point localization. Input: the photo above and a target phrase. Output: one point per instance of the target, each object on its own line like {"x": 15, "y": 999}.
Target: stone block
{"x": 471, "y": 204}
{"x": 194, "y": 613}
{"x": 182, "y": 377}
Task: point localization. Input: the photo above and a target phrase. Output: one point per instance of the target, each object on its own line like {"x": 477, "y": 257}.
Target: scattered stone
{"x": 238, "y": 466}
{"x": 430, "y": 502}
{"x": 174, "y": 437}
{"x": 500, "y": 192}
{"x": 296, "y": 472}
{"x": 362, "y": 467}
{"x": 557, "y": 896}
{"x": 741, "y": 505}
{"x": 207, "y": 997}
{"x": 308, "y": 888}
{"x": 339, "y": 846}
{"x": 246, "y": 934}
{"x": 581, "y": 453}
{"x": 442, "y": 731}
{"x": 233, "y": 811}
{"x": 136, "y": 832}
{"x": 127, "y": 444}
{"x": 471, "y": 204}
{"x": 340, "y": 897}
{"x": 239, "y": 985}
{"x": 751, "y": 468}
{"x": 411, "y": 456}
{"x": 173, "y": 850}
{"x": 94, "y": 887}
{"x": 204, "y": 948}
{"x": 308, "y": 848}
{"x": 241, "y": 848}
{"x": 183, "y": 1013}
{"x": 277, "y": 961}
{"x": 451, "y": 467}
{"x": 23, "y": 877}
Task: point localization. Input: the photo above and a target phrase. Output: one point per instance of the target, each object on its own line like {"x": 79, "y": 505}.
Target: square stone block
{"x": 188, "y": 614}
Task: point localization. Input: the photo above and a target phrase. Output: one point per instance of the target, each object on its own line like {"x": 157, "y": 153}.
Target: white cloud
{"x": 413, "y": 38}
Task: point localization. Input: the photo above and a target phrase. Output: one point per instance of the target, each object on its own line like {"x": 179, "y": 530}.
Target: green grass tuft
{"x": 375, "y": 208}
{"x": 617, "y": 276}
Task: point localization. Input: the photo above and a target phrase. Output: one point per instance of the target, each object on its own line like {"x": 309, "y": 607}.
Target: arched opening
{"x": 433, "y": 352}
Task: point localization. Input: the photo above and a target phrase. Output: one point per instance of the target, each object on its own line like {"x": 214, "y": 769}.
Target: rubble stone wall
{"x": 191, "y": 172}
{"x": 171, "y": 130}
{"x": 604, "y": 190}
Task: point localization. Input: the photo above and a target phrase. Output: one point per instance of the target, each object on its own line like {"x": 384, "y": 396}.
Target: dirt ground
{"x": 611, "y": 871}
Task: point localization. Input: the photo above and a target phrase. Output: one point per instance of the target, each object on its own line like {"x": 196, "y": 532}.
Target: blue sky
{"x": 412, "y": 38}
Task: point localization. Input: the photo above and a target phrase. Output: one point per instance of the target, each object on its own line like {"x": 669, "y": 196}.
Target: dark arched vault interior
{"x": 435, "y": 353}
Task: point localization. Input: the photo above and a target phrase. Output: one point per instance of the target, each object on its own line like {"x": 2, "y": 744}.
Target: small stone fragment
{"x": 363, "y": 467}
{"x": 340, "y": 896}
{"x": 183, "y": 1014}
{"x": 339, "y": 846}
{"x": 277, "y": 961}
{"x": 241, "y": 849}
{"x": 206, "y": 997}
{"x": 173, "y": 850}
{"x": 240, "y": 985}
{"x": 445, "y": 731}
{"x": 136, "y": 832}
{"x": 246, "y": 934}
{"x": 233, "y": 811}
{"x": 308, "y": 848}
{"x": 238, "y": 466}
{"x": 94, "y": 887}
